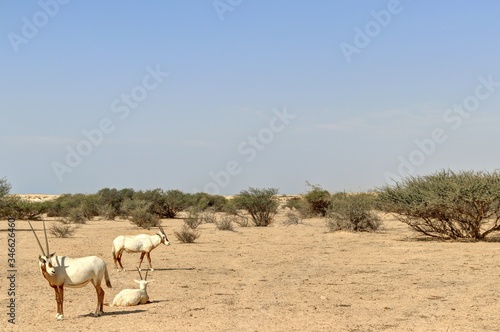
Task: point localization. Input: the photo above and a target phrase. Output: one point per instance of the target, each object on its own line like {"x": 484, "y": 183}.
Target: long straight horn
{"x": 37, "y": 240}
{"x": 46, "y": 239}
{"x": 161, "y": 229}
{"x": 140, "y": 273}
{"x": 146, "y": 277}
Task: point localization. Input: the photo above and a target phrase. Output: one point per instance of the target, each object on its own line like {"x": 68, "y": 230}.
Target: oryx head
{"x": 163, "y": 236}
{"x": 143, "y": 282}
{"x": 44, "y": 260}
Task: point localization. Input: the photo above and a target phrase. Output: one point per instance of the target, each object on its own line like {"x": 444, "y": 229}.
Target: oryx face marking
{"x": 163, "y": 238}
{"x": 45, "y": 264}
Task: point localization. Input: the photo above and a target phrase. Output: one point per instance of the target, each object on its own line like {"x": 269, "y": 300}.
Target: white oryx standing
{"x": 130, "y": 297}
{"x": 63, "y": 271}
{"x": 142, "y": 243}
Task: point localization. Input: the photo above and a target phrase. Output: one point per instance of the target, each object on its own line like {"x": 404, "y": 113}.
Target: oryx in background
{"x": 142, "y": 243}
{"x": 63, "y": 271}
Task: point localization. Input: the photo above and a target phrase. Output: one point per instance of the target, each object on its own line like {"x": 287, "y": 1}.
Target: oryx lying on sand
{"x": 129, "y": 297}
{"x": 142, "y": 243}
{"x": 62, "y": 271}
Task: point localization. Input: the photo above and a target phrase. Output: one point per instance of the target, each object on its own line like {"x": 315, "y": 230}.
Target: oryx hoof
{"x": 97, "y": 314}
{"x": 59, "y": 316}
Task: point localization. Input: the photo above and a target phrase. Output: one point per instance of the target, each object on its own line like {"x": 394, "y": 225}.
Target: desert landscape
{"x": 276, "y": 278}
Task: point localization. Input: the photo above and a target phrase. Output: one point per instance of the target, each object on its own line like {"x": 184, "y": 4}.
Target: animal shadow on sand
{"x": 166, "y": 269}
{"x": 113, "y": 313}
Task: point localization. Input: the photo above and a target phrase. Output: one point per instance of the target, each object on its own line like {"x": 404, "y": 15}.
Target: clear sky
{"x": 218, "y": 96}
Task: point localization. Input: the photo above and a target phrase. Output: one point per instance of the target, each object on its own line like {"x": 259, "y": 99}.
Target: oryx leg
{"x": 59, "y": 290}
{"x": 100, "y": 299}
{"x": 148, "y": 255}
{"x": 115, "y": 259}
{"x": 119, "y": 258}
{"x": 140, "y": 260}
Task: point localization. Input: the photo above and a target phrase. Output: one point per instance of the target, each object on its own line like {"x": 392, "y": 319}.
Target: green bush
{"x": 6, "y": 202}
{"x": 352, "y": 212}
{"x": 5, "y": 187}
{"x": 68, "y": 206}
{"x": 319, "y": 201}
{"x": 74, "y": 215}
{"x": 261, "y": 204}
{"x": 112, "y": 199}
{"x": 164, "y": 204}
{"x": 138, "y": 212}
{"x": 22, "y": 209}
{"x": 301, "y": 205}
{"x": 203, "y": 201}
{"x": 447, "y": 204}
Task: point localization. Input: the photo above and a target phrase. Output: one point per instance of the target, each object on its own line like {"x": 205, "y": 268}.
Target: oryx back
{"x": 77, "y": 272}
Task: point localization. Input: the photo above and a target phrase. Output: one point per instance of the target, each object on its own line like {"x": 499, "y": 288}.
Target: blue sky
{"x": 218, "y": 96}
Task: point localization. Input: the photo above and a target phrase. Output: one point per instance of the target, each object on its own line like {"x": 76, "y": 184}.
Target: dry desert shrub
{"x": 292, "y": 218}
{"x": 241, "y": 221}
{"x": 61, "y": 230}
{"x": 193, "y": 220}
{"x": 225, "y": 223}
{"x": 209, "y": 216}
{"x": 187, "y": 234}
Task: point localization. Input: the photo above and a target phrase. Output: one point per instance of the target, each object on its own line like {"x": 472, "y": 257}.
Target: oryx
{"x": 129, "y": 297}
{"x": 142, "y": 243}
{"x": 63, "y": 271}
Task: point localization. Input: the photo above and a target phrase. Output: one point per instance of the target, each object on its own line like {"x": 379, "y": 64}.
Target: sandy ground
{"x": 279, "y": 278}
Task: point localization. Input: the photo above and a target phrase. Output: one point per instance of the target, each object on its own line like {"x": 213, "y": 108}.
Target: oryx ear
{"x": 137, "y": 281}
{"x": 52, "y": 254}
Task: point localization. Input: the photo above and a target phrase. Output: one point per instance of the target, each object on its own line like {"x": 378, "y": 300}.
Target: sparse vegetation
{"x": 208, "y": 216}
{"x": 352, "y": 212}
{"x": 241, "y": 221}
{"x": 292, "y": 218}
{"x": 61, "y": 230}
{"x": 193, "y": 220}
{"x": 447, "y": 204}
{"x": 261, "y": 204}
{"x": 187, "y": 234}
{"x": 225, "y": 223}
